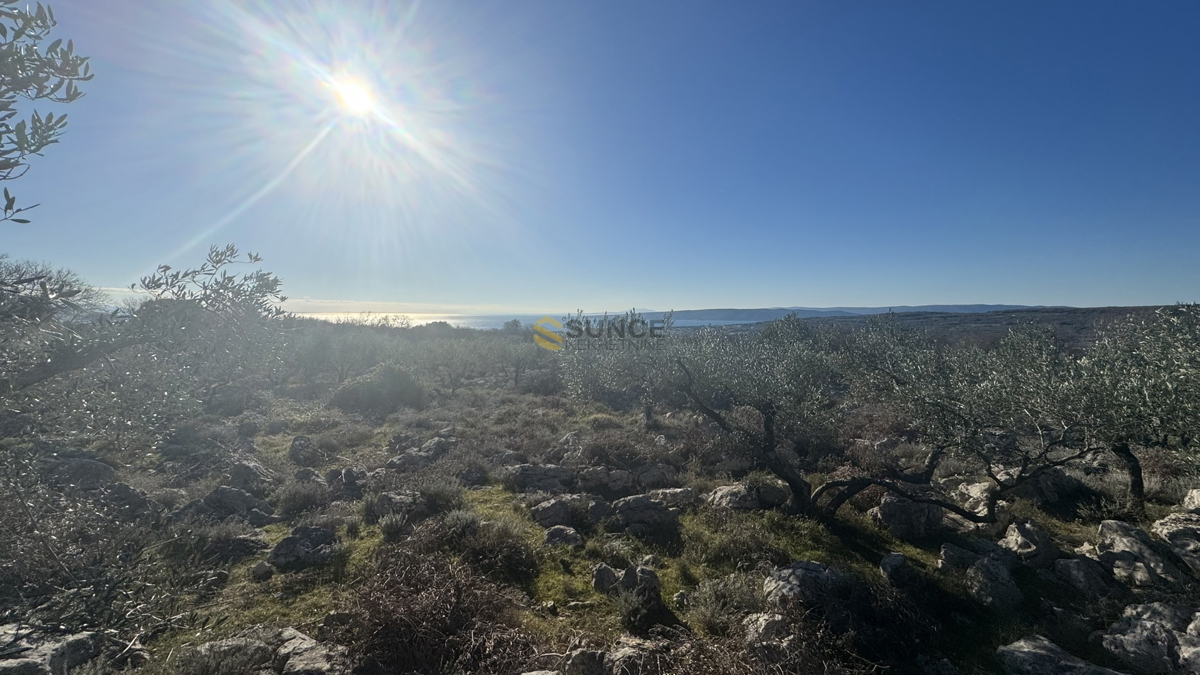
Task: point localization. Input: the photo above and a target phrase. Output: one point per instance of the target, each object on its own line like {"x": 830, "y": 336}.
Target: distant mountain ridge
{"x": 772, "y": 313}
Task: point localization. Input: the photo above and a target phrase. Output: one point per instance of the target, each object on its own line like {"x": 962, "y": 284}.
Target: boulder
{"x": 606, "y": 481}
{"x": 261, "y": 572}
{"x": 130, "y": 502}
{"x": 1038, "y": 656}
{"x": 745, "y": 497}
{"x": 561, "y": 535}
{"x": 1132, "y": 556}
{"x": 301, "y": 655}
{"x": 635, "y": 578}
{"x": 226, "y": 502}
{"x": 898, "y": 570}
{"x": 644, "y": 517}
{"x": 676, "y": 498}
{"x": 907, "y": 520}
{"x": 634, "y": 656}
{"x": 584, "y": 662}
{"x": 1182, "y": 532}
{"x": 763, "y": 627}
{"x": 1031, "y": 544}
{"x": 805, "y": 583}
{"x": 1192, "y": 501}
{"x": 991, "y": 585}
{"x": 303, "y": 452}
{"x": 346, "y": 484}
{"x": 250, "y": 476}
{"x": 657, "y": 476}
{"x": 1147, "y": 638}
{"x": 306, "y": 547}
{"x": 955, "y": 557}
{"x": 574, "y": 510}
{"x": 536, "y": 477}
{"x": 435, "y": 448}
{"x": 410, "y": 460}
{"x": 235, "y": 654}
{"x": 403, "y": 502}
{"x": 604, "y": 578}
{"x": 80, "y": 473}
{"x": 1088, "y": 577}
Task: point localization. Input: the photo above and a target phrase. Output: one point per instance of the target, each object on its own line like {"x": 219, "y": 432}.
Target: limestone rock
{"x": 804, "y": 583}
{"x": 1031, "y": 544}
{"x": 1182, "y": 532}
{"x": 990, "y": 584}
{"x": 642, "y": 516}
{"x": 907, "y": 520}
{"x": 749, "y": 497}
{"x": 1038, "y": 656}
{"x": 561, "y": 535}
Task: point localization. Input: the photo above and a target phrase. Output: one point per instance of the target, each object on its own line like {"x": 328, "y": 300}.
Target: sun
{"x": 353, "y": 96}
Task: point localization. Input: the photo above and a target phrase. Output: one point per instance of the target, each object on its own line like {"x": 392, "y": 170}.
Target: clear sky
{"x": 549, "y": 156}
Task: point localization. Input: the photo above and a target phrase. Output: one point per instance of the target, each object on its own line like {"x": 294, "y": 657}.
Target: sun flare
{"x": 354, "y": 97}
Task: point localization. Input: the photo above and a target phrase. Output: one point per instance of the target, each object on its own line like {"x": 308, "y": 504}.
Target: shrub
{"x": 424, "y": 614}
{"x": 381, "y": 392}
{"x": 295, "y": 498}
{"x": 495, "y": 548}
{"x": 394, "y": 526}
{"x": 718, "y": 605}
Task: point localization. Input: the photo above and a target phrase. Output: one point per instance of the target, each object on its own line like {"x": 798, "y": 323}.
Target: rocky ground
{"x": 600, "y": 545}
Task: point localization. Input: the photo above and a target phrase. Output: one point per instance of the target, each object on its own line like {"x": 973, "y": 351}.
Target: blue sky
{"x": 537, "y": 156}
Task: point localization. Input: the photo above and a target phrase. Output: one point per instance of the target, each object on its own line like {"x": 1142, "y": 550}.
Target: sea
{"x": 481, "y": 322}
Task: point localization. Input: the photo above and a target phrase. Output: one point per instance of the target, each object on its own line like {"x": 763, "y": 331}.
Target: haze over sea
{"x": 482, "y": 322}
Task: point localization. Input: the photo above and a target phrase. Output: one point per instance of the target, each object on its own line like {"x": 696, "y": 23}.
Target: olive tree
{"x": 1013, "y": 411}
{"x": 31, "y": 71}
{"x": 1140, "y": 387}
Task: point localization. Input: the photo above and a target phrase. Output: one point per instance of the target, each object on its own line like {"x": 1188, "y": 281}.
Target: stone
{"x": 552, "y": 512}
{"x": 403, "y": 502}
{"x": 1088, "y": 577}
{"x": 261, "y": 572}
{"x": 604, "y": 578}
{"x": 1146, "y": 638}
{"x": 435, "y": 448}
{"x": 744, "y": 497}
{"x": 301, "y": 655}
{"x": 1192, "y": 501}
{"x": 536, "y": 477}
{"x": 238, "y": 653}
{"x": 1182, "y": 532}
{"x": 898, "y": 570}
{"x": 584, "y": 662}
{"x": 806, "y": 583}
{"x": 644, "y": 517}
{"x": 303, "y": 452}
{"x": 676, "y": 498}
{"x": 250, "y": 476}
{"x": 606, "y": 481}
{"x": 306, "y": 547}
{"x": 1130, "y": 554}
{"x": 80, "y": 473}
{"x": 561, "y": 535}
{"x": 763, "y": 627}
{"x": 227, "y": 502}
{"x": 657, "y": 476}
{"x": 907, "y": 520}
{"x": 955, "y": 557}
{"x": 23, "y": 667}
{"x": 1031, "y": 544}
{"x": 634, "y": 656}
{"x": 974, "y": 496}
{"x": 991, "y": 585}
{"x": 130, "y": 502}
{"x": 680, "y": 599}
{"x": 1038, "y": 656}
{"x": 410, "y": 460}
